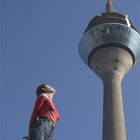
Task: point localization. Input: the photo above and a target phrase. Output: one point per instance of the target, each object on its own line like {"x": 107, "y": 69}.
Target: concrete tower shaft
{"x": 111, "y": 64}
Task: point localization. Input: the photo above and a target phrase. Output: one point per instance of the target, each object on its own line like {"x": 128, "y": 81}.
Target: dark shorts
{"x": 42, "y": 130}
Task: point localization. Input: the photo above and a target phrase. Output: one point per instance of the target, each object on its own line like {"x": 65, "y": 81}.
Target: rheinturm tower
{"x": 110, "y": 46}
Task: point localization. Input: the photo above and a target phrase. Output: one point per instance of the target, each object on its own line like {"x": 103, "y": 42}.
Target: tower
{"x": 110, "y": 46}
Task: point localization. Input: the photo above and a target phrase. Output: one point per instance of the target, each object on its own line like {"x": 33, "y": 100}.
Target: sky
{"x": 39, "y": 44}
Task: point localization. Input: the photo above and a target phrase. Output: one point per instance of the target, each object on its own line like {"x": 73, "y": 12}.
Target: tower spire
{"x": 109, "y": 6}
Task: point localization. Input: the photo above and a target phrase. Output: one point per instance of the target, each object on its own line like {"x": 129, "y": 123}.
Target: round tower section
{"x": 109, "y": 30}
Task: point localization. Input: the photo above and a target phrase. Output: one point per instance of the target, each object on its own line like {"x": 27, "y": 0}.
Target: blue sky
{"x": 39, "y": 44}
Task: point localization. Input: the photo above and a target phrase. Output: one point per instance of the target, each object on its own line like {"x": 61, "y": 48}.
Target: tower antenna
{"x": 109, "y": 6}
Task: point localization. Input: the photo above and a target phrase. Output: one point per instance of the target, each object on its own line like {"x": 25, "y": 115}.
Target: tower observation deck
{"x": 107, "y": 29}
{"x": 110, "y": 46}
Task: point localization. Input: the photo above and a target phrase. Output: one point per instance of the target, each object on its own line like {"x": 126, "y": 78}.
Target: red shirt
{"x": 44, "y": 108}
